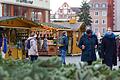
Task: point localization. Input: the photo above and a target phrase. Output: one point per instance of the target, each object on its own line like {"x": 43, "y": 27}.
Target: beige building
{"x": 65, "y": 13}
{"x": 98, "y": 12}
{"x": 35, "y": 10}
{"x": 116, "y": 15}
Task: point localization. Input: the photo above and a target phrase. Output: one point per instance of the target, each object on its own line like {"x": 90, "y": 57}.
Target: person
{"x": 4, "y": 46}
{"x": 64, "y": 46}
{"x": 119, "y": 50}
{"x": 88, "y": 43}
{"x": 39, "y": 42}
{"x": 118, "y": 47}
{"x": 45, "y": 43}
{"x": 100, "y": 48}
{"x": 1, "y": 40}
{"x": 109, "y": 49}
{"x": 33, "y": 51}
{"x": 26, "y": 49}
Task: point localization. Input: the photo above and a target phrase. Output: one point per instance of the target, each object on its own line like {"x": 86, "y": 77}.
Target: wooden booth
{"x": 17, "y": 30}
{"x": 51, "y": 30}
{"x": 74, "y": 34}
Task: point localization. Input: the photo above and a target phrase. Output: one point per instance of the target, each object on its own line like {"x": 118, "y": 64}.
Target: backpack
{"x": 61, "y": 40}
{"x": 28, "y": 44}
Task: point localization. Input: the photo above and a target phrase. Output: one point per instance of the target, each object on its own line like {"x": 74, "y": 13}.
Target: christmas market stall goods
{"x": 50, "y": 31}
{"x": 17, "y": 30}
{"x": 74, "y": 34}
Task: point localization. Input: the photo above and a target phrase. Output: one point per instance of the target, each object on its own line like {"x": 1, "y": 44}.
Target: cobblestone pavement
{"x": 73, "y": 59}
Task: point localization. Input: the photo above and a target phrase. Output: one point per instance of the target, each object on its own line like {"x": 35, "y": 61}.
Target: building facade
{"x": 64, "y": 13}
{"x": 110, "y": 15}
{"x": 116, "y": 14}
{"x": 35, "y": 10}
{"x": 98, "y": 12}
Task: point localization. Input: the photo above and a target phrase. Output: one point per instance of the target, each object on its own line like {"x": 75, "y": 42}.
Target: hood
{"x": 30, "y": 38}
{"x": 109, "y": 35}
{"x": 85, "y": 34}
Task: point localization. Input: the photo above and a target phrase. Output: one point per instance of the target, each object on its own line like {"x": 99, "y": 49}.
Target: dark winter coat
{"x": 64, "y": 43}
{"x": 88, "y": 54}
{"x": 109, "y": 50}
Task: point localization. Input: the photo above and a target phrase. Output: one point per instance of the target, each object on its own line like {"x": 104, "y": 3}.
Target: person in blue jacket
{"x": 1, "y": 40}
{"x": 109, "y": 49}
{"x": 4, "y": 45}
{"x": 64, "y": 46}
{"x": 88, "y": 43}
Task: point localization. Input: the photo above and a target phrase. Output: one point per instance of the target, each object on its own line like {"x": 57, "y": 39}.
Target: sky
{"x": 55, "y": 4}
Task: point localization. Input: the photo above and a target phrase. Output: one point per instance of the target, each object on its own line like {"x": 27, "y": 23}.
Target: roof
{"x": 74, "y": 27}
{"x": 16, "y": 21}
{"x": 76, "y": 9}
{"x": 54, "y": 25}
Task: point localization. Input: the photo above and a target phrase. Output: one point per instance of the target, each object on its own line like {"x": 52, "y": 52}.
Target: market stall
{"x": 17, "y": 30}
{"x": 51, "y": 32}
{"x": 74, "y": 34}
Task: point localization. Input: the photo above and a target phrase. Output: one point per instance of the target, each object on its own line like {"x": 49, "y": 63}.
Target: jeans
{"x": 63, "y": 54}
{"x": 33, "y": 57}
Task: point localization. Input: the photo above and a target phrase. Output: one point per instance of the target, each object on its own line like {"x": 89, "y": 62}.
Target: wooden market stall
{"x": 51, "y": 30}
{"x": 74, "y": 34}
{"x": 17, "y": 29}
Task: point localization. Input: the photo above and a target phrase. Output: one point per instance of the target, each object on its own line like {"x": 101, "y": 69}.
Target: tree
{"x": 84, "y": 15}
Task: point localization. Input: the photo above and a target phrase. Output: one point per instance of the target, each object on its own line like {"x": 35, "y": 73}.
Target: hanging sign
{"x": 25, "y": 1}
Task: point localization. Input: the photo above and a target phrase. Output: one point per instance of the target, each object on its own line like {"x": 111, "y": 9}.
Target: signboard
{"x": 25, "y": 1}
{"x": 43, "y": 4}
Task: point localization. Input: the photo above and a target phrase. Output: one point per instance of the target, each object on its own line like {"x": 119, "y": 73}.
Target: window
{"x": 65, "y": 11}
{"x": 96, "y": 5}
{"x": 65, "y": 6}
{"x": 96, "y": 30}
{"x": 104, "y": 30}
{"x": 96, "y": 21}
{"x": 69, "y": 11}
{"x": 104, "y": 13}
{"x": 97, "y": 13}
{"x": 7, "y": 10}
{"x": 103, "y": 5}
{"x": 60, "y": 11}
{"x": 103, "y": 21}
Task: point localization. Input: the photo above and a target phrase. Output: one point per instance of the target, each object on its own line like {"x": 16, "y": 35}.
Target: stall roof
{"x": 74, "y": 27}
{"x": 54, "y": 25}
{"x": 11, "y": 22}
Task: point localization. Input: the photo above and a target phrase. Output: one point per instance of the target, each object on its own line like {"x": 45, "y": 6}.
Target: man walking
{"x": 64, "y": 46}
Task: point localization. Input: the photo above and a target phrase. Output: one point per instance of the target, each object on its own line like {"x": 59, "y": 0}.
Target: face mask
{"x": 109, "y": 32}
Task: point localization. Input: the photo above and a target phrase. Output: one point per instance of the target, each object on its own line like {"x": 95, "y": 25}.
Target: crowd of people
{"x": 108, "y": 48}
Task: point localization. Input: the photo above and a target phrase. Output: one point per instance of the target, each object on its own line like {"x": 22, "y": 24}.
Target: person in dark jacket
{"x": 88, "y": 43}
{"x": 64, "y": 46}
{"x": 1, "y": 40}
{"x": 109, "y": 49}
{"x": 45, "y": 43}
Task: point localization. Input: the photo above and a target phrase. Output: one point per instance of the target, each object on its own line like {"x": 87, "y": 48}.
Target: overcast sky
{"x": 55, "y": 4}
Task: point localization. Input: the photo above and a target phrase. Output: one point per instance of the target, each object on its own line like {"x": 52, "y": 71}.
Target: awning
{"x": 52, "y": 25}
{"x": 16, "y": 22}
{"x": 74, "y": 27}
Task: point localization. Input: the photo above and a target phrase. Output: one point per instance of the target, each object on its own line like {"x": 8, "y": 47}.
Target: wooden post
{"x": 9, "y": 36}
